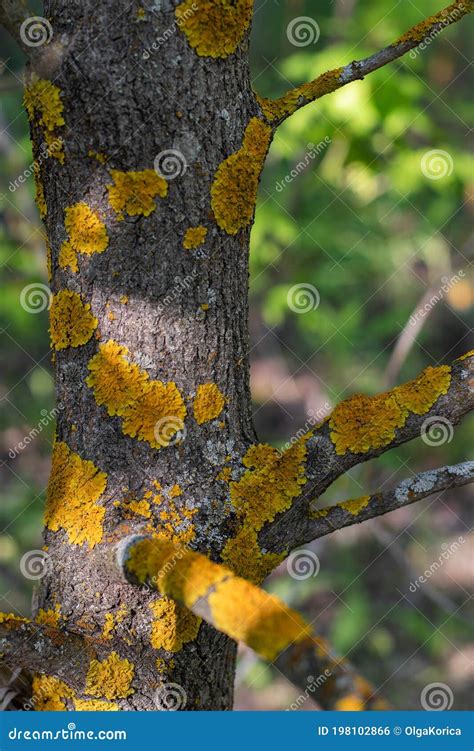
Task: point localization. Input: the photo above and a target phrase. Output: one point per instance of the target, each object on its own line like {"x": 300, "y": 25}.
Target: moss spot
{"x": 208, "y": 403}
{"x": 214, "y": 28}
{"x": 43, "y": 103}
{"x": 234, "y": 190}
{"x": 110, "y": 678}
{"x": 134, "y": 193}
{"x": 86, "y": 232}
{"x": 75, "y": 486}
{"x": 71, "y": 322}
{"x": 173, "y": 625}
{"x": 194, "y": 237}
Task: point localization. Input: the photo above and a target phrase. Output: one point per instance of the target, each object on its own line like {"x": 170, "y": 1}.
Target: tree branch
{"x": 362, "y": 428}
{"x": 324, "y": 521}
{"x": 246, "y": 613}
{"x": 278, "y": 110}
{"x": 34, "y": 36}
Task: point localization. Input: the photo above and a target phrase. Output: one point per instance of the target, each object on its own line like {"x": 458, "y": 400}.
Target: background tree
{"x": 148, "y": 225}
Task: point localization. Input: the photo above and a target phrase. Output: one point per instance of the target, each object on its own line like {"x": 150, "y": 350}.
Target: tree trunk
{"x": 126, "y": 97}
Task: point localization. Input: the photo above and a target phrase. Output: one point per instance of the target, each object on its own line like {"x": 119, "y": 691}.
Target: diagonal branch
{"x": 324, "y": 521}
{"x": 362, "y": 428}
{"x": 278, "y": 110}
{"x": 248, "y": 614}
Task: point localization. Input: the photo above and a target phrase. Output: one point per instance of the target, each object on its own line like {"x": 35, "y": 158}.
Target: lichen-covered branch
{"x": 276, "y": 111}
{"x": 323, "y": 521}
{"x": 364, "y": 427}
{"x": 246, "y": 613}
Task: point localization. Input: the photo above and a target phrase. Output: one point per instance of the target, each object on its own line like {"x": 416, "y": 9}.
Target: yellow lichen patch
{"x": 109, "y": 625}
{"x": 6, "y": 617}
{"x": 276, "y": 110}
{"x": 175, "y": 491}
{"x": 87, "y": 234}
{"x": 244, "y": 557}
{"x": 214, "y": 28}
{"x": 49, "y": 617}
{"x": 319, "y": 513}
{"x": 260, "y": 620}
{"x": 75, "y": 486}
{"x": 151, "y": 411}
{"x": 137, "y": 561}
{"x": 208, "y": 403}
{"x": 234, "y": 190}
{"x": 194, "y": 237}
{"x": 134, "y": 193}
{"x": 355, "y": 505}
{"x": 181, "y": 574}
{"x": 176, "y": 524}
{"x": 350, "y": 703}
{"x": 43, "y": 103}
{"x": 361, "y": 423}
{"x": 468, "y": 354}
{"x": 39, "y": 197}
{"x": 49, "y": 693}
{"x": 71, "y": 322}
{"x": 141, "y": 508}
{"x": 95, "y": 705}
{"x": 110, "y": 678}
{"x": 173, "y": 625}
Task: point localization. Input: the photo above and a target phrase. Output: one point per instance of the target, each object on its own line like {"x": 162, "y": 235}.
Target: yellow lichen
{"x": 151, "y": 411}
{"x": 194, "y": 237}
{"x": 134, "y": 193}
{"x": 71, "y": 322}
{"x": 243, "y": 555}
{"x": 141, "y": 508}
{"x": 110, "y": 678}
{"x": 75, "y": 486}
{"x": 43, "y": 103}
{"x": 234, "y": 190}
{"x": 248, "y": 614}
{"x": 214, "y": 28}
{"x": 6, "y": 617}
{"x": 176, "y": 524}
{"x": 109, "y": 626}
{"x": 39, "y": 197}
{"x": 208, "y": 403}
{"x": 173, "y": 625}
{"x": 355, "y": 505}
{"x": 49, "y": 693}
{"x": 350, "y": 703}
{"x": 87, "y": 234}
{"x": 49, "y": 617}
{"x": 95, "y": 705}
{"x": 276, "y": 110}
{"x": 361, "y": 423}
{"x": 468, "y": 354}
{"x": 175, "y": 491}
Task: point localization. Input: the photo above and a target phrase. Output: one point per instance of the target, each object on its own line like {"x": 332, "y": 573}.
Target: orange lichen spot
{"x": 175, "y": 491}
{"x": 71, "y": 322}
{"x": 234, "y": 190}
{"x": 194, "y": 237}
{"x": 110, "y": 678}
{"x": 355, "y": 505}
{"x": 87, "y": 234}
{"x": 49, "y": 617}
{"x": 276, "y": 110}
{"x": 214, "y": 28}
{"x": 249, "y": 614}
{"x": 361, "y": 423}
{"x": 49, "y": 693}
{"x": 350, "y": 703}
{"x": 173, "y": 625}
{"x": 43, "y": 103}
{"x": 134, "y": 193}
{"x": 208, "y": 403}
{"x": 151, "y": 411}
{"x": 75, "y": 486}
{"x": 95, "y": 705}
